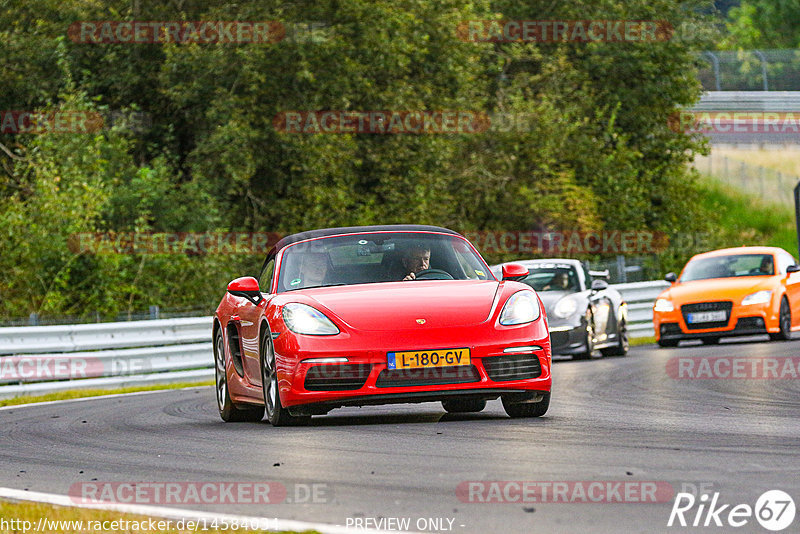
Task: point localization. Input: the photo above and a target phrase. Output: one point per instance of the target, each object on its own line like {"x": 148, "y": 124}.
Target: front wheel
{"x": 277, "y": 415}
{"x": 228, "y": 411}
{"x": 463, "y": 405}
{"x": 621, "y": 349}
{"x": 527, "y": 409}
{"x": 589, "y": 343}
{"x": 785, "y": 322}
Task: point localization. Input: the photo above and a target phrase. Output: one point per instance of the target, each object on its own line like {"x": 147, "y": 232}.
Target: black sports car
{"x": 584, "y": 314}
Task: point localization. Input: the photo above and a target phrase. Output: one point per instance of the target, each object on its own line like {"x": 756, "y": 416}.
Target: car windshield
{"x": 379, "y": 257}
{"x": 730, "y": 266}
{"x": 552, "y": 277}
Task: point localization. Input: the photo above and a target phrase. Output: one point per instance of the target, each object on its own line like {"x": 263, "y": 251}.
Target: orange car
{"x": 730, "y": 292}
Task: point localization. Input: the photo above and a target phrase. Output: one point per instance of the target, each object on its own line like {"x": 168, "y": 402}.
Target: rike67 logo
{"x": 774, "y": 510}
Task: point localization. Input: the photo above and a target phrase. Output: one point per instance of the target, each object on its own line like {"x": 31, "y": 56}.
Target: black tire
{"x": 527, "y": 409}
{"x": 587, "y": 353}
{"x": 277, "y": 415}
{"x": 228, "y": 411}
{"x": 710, "y": 340}
{"x": 667, "y": 343}
{"x": 463, "y": 405}
{"x": 785, "y": 321}
{"x": 621, "y": 348}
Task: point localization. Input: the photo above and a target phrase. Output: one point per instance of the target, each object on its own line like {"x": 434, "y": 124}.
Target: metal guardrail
{"x": 779, "y": 101}
{"x": 46, "y": 359}
{"x": 640, "y": 297}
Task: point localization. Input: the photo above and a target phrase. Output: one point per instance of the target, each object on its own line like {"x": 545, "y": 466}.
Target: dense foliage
{"x": 594, "y": 152}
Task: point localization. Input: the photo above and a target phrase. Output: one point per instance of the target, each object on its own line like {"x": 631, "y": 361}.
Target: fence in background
{"x": 750, "y": 70}
{"x": 769, "y": 185}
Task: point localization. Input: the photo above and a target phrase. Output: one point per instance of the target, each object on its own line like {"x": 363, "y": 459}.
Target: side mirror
{"x": 246, "y": 287}
{"x": 792, "y": 269}
{"x": 599, "y": 285}
{"x": 671, "y": 278}
{"x": 514, "y": 271}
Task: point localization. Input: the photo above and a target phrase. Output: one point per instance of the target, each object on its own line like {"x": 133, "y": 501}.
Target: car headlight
{"x": 565, "y": 307}
{"x": 303, "y": 319}
{"x": 522, "y": 307}
{"x": 663, "y": 305}
{"x": 759, "y": 297}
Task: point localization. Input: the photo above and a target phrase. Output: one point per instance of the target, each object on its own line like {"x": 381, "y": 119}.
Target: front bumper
{"x": 568, "y": 340}
{"x": 364, "y": 378}
{"x": 742, "y": 321}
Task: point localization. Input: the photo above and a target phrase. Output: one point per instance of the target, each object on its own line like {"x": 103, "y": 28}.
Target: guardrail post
{"x": 763, "y": 68}
{"x": 33, "y": 319}
{"x": 715, "y": 63}
{"x": 622, "y": 273}
{"x": 154, "y": 312}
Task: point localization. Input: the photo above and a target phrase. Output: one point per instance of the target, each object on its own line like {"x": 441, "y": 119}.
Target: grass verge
{"x": 637, "y": 341}
{"x": 81, "y": 393}
{"x": 741, "y": 220}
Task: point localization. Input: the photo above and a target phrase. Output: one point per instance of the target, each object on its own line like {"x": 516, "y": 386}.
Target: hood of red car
{"x": 401, "y": 305}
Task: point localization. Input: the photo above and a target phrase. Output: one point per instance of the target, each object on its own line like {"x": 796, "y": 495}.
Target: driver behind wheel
{"x": 417, "y": 258}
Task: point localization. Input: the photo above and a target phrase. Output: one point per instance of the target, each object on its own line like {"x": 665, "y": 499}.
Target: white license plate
{"x": 708, "y": 317}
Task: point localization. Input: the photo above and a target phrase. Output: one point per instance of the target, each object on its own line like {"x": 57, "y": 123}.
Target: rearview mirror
{"x": 792, "y": 269}
{"x": 246, "y": 287}
{"x": 671, "y": 278}
{"x": 599, "y": 285}
{"x": 514, "y": 271}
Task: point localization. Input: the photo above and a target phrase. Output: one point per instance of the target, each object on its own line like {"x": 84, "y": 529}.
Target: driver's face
{"x": 417, "y": 260}
{"x": 314, "y": 269}
{"x": 562, "y": 280}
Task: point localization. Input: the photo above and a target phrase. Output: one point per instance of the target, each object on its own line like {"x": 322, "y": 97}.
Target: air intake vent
{"x": 516, "y": 367}
{"x": 337, "y": 377}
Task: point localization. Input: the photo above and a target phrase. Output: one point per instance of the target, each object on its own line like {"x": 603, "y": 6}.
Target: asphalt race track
{"x": 613, "y": 419}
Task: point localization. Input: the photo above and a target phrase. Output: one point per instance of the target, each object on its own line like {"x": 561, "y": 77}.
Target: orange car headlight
{"x": 759, "y": 297}
{"x": 663, "y": 305}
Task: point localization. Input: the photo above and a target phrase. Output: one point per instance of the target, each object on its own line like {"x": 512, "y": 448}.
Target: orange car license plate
{"x": 417, "y": 359}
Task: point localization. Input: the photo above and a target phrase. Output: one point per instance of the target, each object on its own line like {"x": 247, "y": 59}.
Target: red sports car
{"x": 377, "y": 315}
